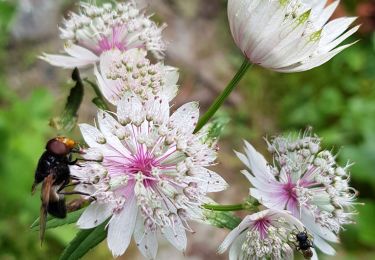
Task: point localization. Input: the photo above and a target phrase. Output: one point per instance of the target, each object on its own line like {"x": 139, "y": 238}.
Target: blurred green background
{"x": 337, "y": 100}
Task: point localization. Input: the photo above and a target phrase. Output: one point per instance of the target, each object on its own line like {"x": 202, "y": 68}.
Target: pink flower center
{"x": 290, "y": 191}
{"x": 143, "y": 162}
{"x": 113, "y": 41}
{"x": 261, "y": 225}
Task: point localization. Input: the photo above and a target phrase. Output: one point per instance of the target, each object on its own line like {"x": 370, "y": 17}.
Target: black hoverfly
{"x": 303, "y": 243}
{"x": 53, "y": 171}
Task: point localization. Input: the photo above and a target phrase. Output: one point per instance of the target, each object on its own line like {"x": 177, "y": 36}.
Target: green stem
{"x": 222, "y": 97}
{"x": 249, "y": 204}
{"x": 233, "y": 207}
{"x": 99, "y": 100}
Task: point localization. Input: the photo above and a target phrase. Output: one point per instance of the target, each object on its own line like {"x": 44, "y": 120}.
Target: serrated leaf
{"x": 85, "y": 240}
{"x": 57, "y": 222}
{"x": 69, "y": 117}
{"x": 222, "y": 219}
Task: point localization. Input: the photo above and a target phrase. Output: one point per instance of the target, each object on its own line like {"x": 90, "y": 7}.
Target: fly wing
{"x": 45, "y": 196}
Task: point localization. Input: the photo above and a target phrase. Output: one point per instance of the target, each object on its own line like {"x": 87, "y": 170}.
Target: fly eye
{"x": 57, "y": 147}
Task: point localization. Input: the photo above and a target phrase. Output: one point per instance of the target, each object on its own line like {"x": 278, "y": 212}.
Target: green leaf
{"x": 84, "y": 241}
{"x": 56, "y": 222}
{"x": 99, "y": 100}
{"x": 214, "y": 129}
{"x": 69, "y": 117}
{"x": 222, "y": 219}
{"x": 100, "y": 103}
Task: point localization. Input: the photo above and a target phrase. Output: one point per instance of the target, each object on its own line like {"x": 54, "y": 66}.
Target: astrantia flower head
{"x": 262, "y": 235}
{"x": 288, "y": 35}
{"x": 149, "y": 175}
{"x": 306, "y": 181}
{"x": 97, "y": 29}
{"x": 122, "y": 72}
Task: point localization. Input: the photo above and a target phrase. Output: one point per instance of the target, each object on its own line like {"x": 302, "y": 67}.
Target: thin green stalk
{"x": 233, "y": 207}
{"x": 223, "y": 96}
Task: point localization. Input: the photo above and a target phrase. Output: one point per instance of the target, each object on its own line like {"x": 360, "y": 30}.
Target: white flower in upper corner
{"x": 305, "y": 181}
{"x": 149, "y": 175}
{"x": 288, "y": 35}
{"x": 97, "y": 29}
{"x": 130, "y": 71}
{"x": 262, "y": 235}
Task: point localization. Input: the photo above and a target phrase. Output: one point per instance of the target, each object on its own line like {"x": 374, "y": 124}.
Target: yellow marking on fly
{"x": 70, "y": 143}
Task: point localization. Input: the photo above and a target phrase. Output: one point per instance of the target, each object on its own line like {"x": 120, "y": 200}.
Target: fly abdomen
{"x": 57, "y": 208}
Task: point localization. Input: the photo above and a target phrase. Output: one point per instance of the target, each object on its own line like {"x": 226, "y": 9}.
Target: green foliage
{"x": 215, "y": 128}
{"x": 85, "y": 240}
{"x": 366, "y": 215}
{"x": 6, "y": 13}
{"x": 23, "y": 131}
{"x": 57, "y": 222}
{"x": 68, "y": 120}
{"x": 222, "y": 219}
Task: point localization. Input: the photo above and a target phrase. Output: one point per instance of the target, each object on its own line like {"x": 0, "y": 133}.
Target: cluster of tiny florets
{"x": 119, "y": 25}
{"x": 274, "y": 243}
{"x": 324, "y": 186}
{"x": 134, "y": 73}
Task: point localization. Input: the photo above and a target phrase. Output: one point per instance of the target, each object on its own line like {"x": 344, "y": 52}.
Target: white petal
{"x": 171, "y": 78}
{"x": 320, "y": 234}
{"x": 185, "y": 118}
{"x": 326, "y": 14}
{"x": 335, "y": 28}
{"x": 235, "y": 251}
{"x": 230, "y": 238}
{"x": 176, "y": 236}
{"x": 339, "y": 40}
{"x": 258, "y": 164}
{"x": 293, "y": 221}
{"x": 316, "y": 61}
{"x": 107, "y": 126}
{"x": 147, "y": 242}
{"x": 208, "y": 180}
{"x": 158, "y": 108}
{"x": 268, "y": 200}
{"x": 323, "y": 246}
{"x": 91, "y": 135}
{"x": 93, "y": 154}
{"x": 121, "y": 227}
{"x": 261, "y": 182}
{"x": 129, "y": 107}
{"x": 106, "y": 87}
{"x": 79, "y": 57}
{"x": 308, "y": 219}
{"x": 79, "y": 52}
{"x": 94, "y": 215}
{"x": 315, "y": 254}
{"x": 65, "y": 61}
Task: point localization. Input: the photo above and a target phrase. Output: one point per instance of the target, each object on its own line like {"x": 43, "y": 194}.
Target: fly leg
{"x": 77, "y": 193}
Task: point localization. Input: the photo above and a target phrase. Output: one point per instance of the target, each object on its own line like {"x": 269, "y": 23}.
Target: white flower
{"x": 305, "y": 181}
{"x": 151, "y": 177}
{"x": 288, "y": 35}
{"x": 131, "y": 71}
{"x": 262, "y": 235}
{"x": 95, "y": 30}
